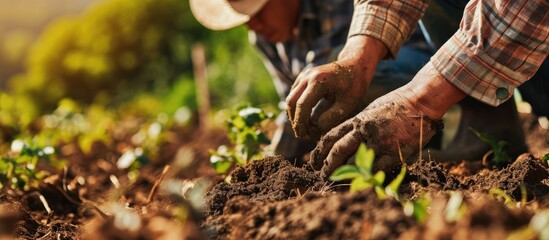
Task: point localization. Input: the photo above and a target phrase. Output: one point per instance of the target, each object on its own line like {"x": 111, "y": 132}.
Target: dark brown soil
{"x": 271, "y": 199}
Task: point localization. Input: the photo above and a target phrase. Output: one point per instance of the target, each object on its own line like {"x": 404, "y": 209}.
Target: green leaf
{"x": 251, "y": 115}
{"x": 378, "y": 178}
{"x": 545, "y": 157}
{"x": 262, "y": 138}
{"x": 484, "y": 137}
{"x": 221, "y": 164}
{"x": 345, "y": 172}
{"x": 497, "y": 193}
{"x": 500, "y": 157}
{"x": 392, "y": 188}
{"x": 380, "y": 193}
{"x": 365, "y": 158}
{"x": 238, "y": 123}
{"x": 360, "y": 183}
{"x": 417, "y": 209}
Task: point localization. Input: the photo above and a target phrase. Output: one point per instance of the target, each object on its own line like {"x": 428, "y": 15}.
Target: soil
{"x": 269, "y": 199}
{"x": 93, "y": 199}
{"x": 264, "y": 204}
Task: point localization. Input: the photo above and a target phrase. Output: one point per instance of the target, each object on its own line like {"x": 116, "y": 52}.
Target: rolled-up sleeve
{"x": 500, "y": 45}
{"x": 390, "y": 21}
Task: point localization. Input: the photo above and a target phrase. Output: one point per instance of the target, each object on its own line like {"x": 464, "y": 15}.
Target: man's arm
{"x": 390, "y": 21}
{"x": 378, "y": 30}
{"x": 500, "y": 44}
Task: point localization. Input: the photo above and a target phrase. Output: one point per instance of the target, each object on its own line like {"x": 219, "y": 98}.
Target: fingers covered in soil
{"x": 393, "y": 128}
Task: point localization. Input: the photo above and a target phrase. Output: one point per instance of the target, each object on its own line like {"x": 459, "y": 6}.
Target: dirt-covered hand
{"x": 391, "y": 125}
{"x": 322, "y": 97}
{"x": 338, "y": 86}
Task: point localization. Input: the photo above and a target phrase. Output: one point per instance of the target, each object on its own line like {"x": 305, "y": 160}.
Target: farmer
{"x": 294, "y": 35}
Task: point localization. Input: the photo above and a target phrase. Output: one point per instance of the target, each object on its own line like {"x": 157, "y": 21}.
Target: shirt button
{"x": 502, "y": 93}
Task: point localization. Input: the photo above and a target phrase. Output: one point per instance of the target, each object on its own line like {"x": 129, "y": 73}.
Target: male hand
{"x": 324, "y": 96}
{"x": 396, "y": 126}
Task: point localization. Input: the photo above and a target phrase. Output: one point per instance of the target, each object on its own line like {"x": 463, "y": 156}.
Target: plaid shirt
{"x": 500, "y": 43}
{"x": 323, "y": 30}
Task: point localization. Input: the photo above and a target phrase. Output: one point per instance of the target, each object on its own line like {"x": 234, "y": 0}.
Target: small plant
{"x": 418, "y": 209}
{"x": 246, "y": 133}
{"x": 545, "y": 157}
{"x": 498, "y": 194}
{"x": 501, "y": 159}
{"x": 363, "y": 178}
{"x": 20, "y": 172}
{"x": 71, "y": 122}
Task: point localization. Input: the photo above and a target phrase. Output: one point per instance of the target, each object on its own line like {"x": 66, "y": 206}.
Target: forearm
{"x": 391, "y": 22}
{"x": 499, "y": 46}
{"x": 364, "y": 51}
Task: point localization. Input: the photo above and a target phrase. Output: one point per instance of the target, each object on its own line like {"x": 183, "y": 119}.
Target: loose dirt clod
{"x": 269, "y": 179}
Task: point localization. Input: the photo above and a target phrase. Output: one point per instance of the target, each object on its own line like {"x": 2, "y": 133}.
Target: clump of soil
{"x": 269, "y": 179}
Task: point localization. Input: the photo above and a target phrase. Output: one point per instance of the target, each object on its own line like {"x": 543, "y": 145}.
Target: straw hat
{"x": 224, "y": 14}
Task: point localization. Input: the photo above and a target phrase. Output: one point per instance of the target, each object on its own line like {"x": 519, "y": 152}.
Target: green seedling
{"x": 72, "y": 122}
{"x": 246, "y": 132}
{"x": 418, "y": 209}
{"x": 20, "y": 172}
{"x": 363, "y": 178}
{"x": 501, "y": 158}
{"x": 545, "y": 157}
{"x": 523, "y": 195}
{"x": 498, "y": 194}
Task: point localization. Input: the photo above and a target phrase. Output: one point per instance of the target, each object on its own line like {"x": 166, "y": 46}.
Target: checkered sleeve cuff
{"x": 474, "y": 72}
{"x": 392, "y": 22}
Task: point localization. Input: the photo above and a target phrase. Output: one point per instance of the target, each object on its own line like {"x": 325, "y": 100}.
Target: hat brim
{"x": 220, "y": 15}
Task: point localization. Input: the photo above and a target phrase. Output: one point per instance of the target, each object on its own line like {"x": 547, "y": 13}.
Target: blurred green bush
{"x": 119, "y": 49}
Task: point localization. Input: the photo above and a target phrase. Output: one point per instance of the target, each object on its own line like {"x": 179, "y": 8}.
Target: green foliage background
{"x": 118, "y": 51}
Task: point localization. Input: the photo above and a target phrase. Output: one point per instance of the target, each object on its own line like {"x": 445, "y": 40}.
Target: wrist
{"x": 363, "y": 49}
{"x": 431, "y": 93}
{"x": 361, "y": 56}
